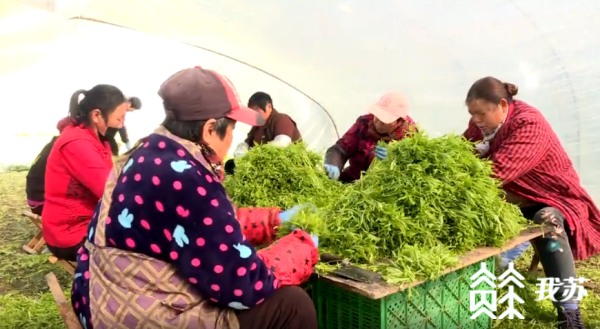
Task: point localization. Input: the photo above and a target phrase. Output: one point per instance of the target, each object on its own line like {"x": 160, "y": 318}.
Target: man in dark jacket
{"x": 279, "y": 129}
{"x": 34, "y": 186}
{"x": 134, "y": 104}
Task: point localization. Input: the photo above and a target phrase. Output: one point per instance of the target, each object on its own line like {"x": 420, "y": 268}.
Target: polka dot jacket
{"x": 169, "y": 206}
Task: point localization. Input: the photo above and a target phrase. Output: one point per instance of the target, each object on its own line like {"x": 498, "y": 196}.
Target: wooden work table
{"x": 382, "y": 289}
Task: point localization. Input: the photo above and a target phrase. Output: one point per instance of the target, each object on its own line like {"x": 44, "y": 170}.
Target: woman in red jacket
{"x": 538, "y": 176}
{"x": 78, "y": 166}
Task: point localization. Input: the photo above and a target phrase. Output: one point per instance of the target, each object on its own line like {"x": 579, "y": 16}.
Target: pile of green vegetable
{"x": 409, "y": 217}
{"x": 268, "y": 176}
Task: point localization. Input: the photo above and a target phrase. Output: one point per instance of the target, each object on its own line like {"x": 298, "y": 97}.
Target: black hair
{"x": 135, "y": 102}
{"x": 491, "y": 90}
{"x": 192, "y": 130}
{"x": 105, "y": 98}
{"x": 260, "y": 99}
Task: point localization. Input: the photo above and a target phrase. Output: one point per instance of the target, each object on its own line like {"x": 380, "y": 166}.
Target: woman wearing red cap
{"x": 538, "y": 176}
{"x": 387, "y": 120}
{"x": 183, "y": 255}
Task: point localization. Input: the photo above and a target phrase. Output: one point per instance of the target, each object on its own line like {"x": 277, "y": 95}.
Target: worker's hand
{"x": 286, "y": 216}
{"x": 381, "y": 152}
{"x": 240, "y": 150}
{"x": 128, "y": 146}
{"x": 333, "y": 172}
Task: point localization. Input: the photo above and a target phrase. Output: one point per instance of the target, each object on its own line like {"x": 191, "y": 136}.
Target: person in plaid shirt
{"x": 387, "y": 120}
{"x": 539, "y": 177}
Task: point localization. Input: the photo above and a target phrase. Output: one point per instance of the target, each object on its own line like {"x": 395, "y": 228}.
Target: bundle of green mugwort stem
{"x": 269, "y": 176}
{"x": 413, "y": 214}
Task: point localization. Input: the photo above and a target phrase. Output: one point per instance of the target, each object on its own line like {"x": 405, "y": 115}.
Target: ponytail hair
{"x": 105, "y": 98}
{"x": 74, "y": 111}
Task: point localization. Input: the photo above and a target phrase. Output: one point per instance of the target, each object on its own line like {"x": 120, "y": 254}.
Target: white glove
{"x": 128, "y": 146}
{"x": 241, "y": 150}
{"x": 281, "y": 141}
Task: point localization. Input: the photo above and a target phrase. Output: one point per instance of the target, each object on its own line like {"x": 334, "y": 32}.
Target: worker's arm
{"x": 86, "y": 165}
{"x": 525, "y": 148}
{"x": 345, "y": 147}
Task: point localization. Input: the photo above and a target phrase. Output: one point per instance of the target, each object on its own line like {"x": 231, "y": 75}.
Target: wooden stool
{"x": 36, "y": 244}
{"x": 64, "y": 307}
{"x": 68, "y": 266}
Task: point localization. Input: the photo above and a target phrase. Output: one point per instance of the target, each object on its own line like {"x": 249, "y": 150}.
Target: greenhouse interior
{"x": 323, "y": 62}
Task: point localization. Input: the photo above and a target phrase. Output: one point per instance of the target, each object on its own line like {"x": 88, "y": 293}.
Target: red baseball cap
{"x": 196, "y": 94}
{"x": 390, "y": 107}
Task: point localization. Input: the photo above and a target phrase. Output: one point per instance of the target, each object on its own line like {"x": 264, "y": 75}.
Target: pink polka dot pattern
{"x": 177, "y": 185}
{"x": 168, "y": 234}
{"x": 155, "y": 248}
{"x": 185, "y": 219}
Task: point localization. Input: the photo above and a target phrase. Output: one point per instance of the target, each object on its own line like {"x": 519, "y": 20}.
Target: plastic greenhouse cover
{"x": 324, "y": 62}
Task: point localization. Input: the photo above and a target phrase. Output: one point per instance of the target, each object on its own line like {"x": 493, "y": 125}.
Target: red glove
{"x": 291, "y": 258}
{"x": 258, "y": 224}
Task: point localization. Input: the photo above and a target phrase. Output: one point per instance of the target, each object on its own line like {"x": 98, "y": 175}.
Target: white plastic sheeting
{"x": 342, "y": 54}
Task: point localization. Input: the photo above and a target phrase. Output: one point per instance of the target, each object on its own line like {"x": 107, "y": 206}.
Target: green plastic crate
{"x": 440, "y": 304}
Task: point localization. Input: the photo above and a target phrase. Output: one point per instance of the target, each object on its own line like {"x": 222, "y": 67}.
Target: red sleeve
{"x": 349, "y": 141}
{"x": 86, "y": 165}
{"x": 525, "y": 147}
{"x": 292, "y": 258}
{"x": 471, "y": 134}
{"x": 258, "y": 224}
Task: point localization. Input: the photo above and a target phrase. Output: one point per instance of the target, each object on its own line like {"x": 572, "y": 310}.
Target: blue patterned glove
{"x": 381, "y": 152}
{"x": 333, "y": 172}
